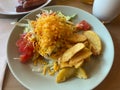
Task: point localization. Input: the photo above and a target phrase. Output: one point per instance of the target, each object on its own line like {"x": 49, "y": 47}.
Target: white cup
{"x": 106, "y": 10}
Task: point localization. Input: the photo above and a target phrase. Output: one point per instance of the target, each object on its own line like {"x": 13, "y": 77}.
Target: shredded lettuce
{"x": 46, "y": 12}
{"x": 67, "y": 17}
{"x": 22, "y": 24}
{"x": 58, "y": 13}
{"x": 29, "y": 28}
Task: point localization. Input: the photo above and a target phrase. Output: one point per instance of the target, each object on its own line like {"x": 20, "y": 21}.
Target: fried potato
{"x": 79, "y": 64}
{"x": 77, "y": 38}
{"x": 68, "y": 54}
{"x": 80, "y": 73}
{"x": 65, "y": 64}
{"x": 64, "y": 74}
{"x": 95, "y": 42}
{"x": 81, "y": 55}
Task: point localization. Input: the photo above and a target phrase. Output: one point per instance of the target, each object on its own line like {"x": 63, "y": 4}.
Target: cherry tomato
{"x": 83, "y": 25}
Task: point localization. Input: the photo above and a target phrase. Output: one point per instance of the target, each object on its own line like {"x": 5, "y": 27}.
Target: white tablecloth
{"x": 5, "y": 29}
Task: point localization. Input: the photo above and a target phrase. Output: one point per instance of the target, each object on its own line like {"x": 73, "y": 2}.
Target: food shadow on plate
{"x": 94, "y": 65}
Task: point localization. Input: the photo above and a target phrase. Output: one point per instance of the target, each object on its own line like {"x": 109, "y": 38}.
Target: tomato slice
{"x": 83, "y": 25}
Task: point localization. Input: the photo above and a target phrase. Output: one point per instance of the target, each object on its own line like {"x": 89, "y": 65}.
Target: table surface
{"x": 111, "y": 82}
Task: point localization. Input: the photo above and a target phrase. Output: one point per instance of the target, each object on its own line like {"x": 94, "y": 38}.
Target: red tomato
{"x": 24, "y": 58}
{"x": 25, "y": 47}
{"x": 83, "y": 25}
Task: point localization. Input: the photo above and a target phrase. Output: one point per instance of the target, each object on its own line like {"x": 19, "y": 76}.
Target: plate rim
{"x": 23, "y": 13}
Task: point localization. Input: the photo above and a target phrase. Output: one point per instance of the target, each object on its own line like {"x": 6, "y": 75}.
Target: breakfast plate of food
{"x": 18, "y": 7}
{"x": 54, "y": 48}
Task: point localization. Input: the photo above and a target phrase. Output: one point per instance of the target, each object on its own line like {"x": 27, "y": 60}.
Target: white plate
{"x": 8, "y": 7}
{"x": 97, "y": 69}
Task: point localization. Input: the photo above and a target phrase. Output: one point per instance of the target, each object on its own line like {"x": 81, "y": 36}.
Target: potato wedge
{"x": 77, "y": 38}
{"x": 64, "y": 74}
{"x": 81, "y": 55}
{"x": 79, "y": 64}
{"x": 95, "y": 42}
{"x": 68, "y": 54}
{"x": 80, "y": 73}
{"x": 65, "y": 64}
